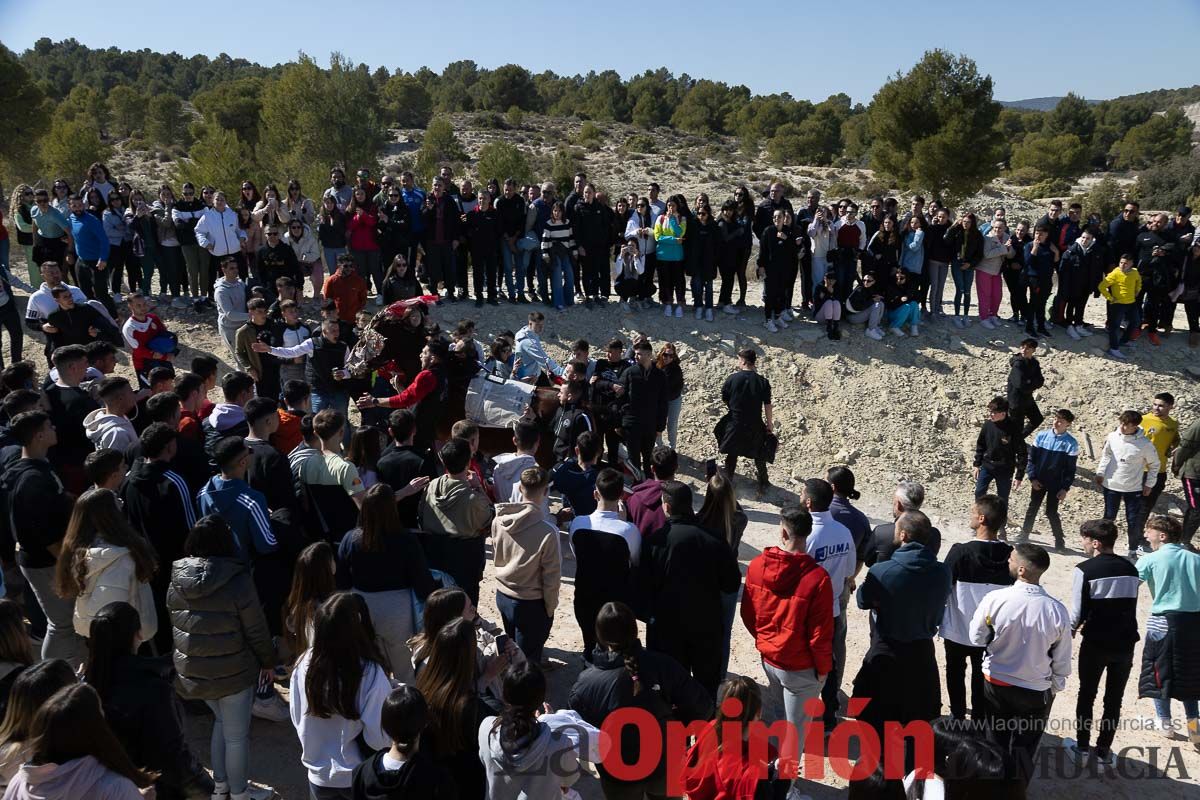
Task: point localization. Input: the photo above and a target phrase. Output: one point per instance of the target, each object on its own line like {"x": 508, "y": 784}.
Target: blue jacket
{"x": 907, "y": 593}
{"x": 1039, "y": 269}
{"x": 245, "y": 510}
{"x": 414, "y": 198}
{"x": 1052, "y": 460}
{"x": 91, "y": 241}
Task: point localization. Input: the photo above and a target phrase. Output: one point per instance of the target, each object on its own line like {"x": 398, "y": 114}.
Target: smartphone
{"x": 502, "y": 643}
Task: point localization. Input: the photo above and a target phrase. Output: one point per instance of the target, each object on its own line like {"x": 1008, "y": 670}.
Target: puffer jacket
{"x": 1128, "y": 462}
{"x": 1169, "y": 662}
{"x": 306, "y": 248}
{"x": 787, "y": 606}
{"x": 111, "y": 577}
{"x": 1186, "y": 460}
{"x": 220, "y": 631}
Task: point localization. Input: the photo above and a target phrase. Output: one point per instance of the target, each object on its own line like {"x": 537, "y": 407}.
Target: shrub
{"x": 589, "y": 133}
{"x": 1170, "y": 183}
{"x": 640, "y": 143}
{"x": 1104, "y": 199}
{"x": 489, "y": 121}
{"x": 516, "y": 116}
{"x": 1055, "y": 187}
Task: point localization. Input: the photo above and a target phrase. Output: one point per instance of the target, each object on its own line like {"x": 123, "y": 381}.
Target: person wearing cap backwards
{"x": 855, "y": 521}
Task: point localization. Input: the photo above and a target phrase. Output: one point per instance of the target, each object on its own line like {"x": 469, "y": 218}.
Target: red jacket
{"x": 288, "y": 436}
{"x": 728, "y": 775}
{"x": 138, "y": 336}
{"x": 360, "y": 231}
{"x": 787, "y": 606}
{"x": 644, "y": 504}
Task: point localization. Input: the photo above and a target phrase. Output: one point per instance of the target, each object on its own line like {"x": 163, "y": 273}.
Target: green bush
{"x": 1055, "y": 187}
{"x": 489, "y": 121}
{"x": 589, "y": 133}
{"x": 516, "y": 116}
{"x": 640, "y": 143}
{"x": 1105, "y": 199}
{"x": 1170, "y": 183}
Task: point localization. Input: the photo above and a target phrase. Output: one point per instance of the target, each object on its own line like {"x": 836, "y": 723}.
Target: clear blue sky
{"x": 1100, "y": 48}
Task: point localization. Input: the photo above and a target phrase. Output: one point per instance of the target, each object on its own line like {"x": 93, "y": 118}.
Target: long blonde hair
{"x": 14, "y": 205}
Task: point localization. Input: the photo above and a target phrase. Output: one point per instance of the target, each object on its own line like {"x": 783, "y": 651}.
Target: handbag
{"x": 770, "y": 446}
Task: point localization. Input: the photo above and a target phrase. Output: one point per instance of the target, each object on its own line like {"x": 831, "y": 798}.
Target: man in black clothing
{"x": 39, "y": 511}
{"x": 643, "y": 390}
{"x": 73, "y": 323}
{"x": 909, "y": 496}
{"x": 228, "y": 418}
{"x": 394, "y": 228}
{"x": 269, "y": 472}
{"x": 744, "y": 430}
{"x": 510, "y": 207}
{"x": 605, "y": 403}
{"x": 440, "y": 217}
{"x": 401, "y": 463}
{"x": 159, "y": 504}
{"x": 690, "y": 568}
{"x": 68, "y": 403}
{"x": 1123, "y": 229}
{"x": 276, "y": 259}
{"x": 1159, "y": 265}
{"x": 571, "y": 420}
{"x": 592, "y": 237}
{"x": 765, "y": 213}
{"x": 1025, "y": 378}
{"x": 999, "y": 452}
{"x": 1053, "y": 220}
{"x": 1104, "y": 594}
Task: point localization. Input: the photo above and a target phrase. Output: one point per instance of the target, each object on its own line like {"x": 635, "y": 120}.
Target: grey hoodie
{"x": 507, "y": 473}
{"x": 78, "y": 778}
{"x": 540, "y": 767}
{"x": 456, "y": 508}
{"x": 109, "y": 430}
{"x": 231, "y": 304}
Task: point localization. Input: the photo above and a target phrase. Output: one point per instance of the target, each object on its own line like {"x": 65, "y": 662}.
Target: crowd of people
{"x": 177, "y": 552}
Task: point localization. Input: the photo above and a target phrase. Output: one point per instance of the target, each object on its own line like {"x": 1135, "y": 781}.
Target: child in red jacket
{"x": 150, "y": 343}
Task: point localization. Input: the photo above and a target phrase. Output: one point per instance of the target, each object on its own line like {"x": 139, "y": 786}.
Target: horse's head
{"x": 381, "y": 343}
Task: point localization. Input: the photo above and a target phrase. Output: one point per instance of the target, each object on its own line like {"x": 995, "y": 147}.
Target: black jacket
{"x": 450, "y": 219}
{"x": 703, "y": 254}
{"x": 1024, "y": 378}
{"x": 36, "y": 508}
{"x": 569, "y": 422}
{"x": 159, "y": 505}
{"x": 764, "y": 215}
{"x": 418, "y": 779}
{"x": 394, "y": 235}
{"x": 687, "y": 569}
{"x": 668, "y": 693}
{"x": 1109, "y": 618}
{"x": 221, "y": 634}
{"x": 1169, "y": 664}
{"x": 483, "y": 233}
{"x": 397, "y": 466}
{"x": 273, "y": 263}
{"x": 212, "y": 435}
{"x": 1000, "y": 445}
{"x": 68, "y": 407}
{"x": 645, "y": 399}
{"x": 73, "y": 327}
{"x": 144, "y": 713}
{"x": 674, "y": 375}
{"x": 270, "y": 474}
{"x": 591, "y": 227}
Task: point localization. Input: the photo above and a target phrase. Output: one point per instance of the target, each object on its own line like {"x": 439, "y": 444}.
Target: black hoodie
{"x": 419, "y": 778}
{"x": 158, "y": 502}
{"x": 39, "y": 515}
{"x": 1024, "y": 379}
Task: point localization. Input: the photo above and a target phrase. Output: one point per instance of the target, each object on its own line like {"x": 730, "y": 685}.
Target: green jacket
{"x": 1186, "y": 461}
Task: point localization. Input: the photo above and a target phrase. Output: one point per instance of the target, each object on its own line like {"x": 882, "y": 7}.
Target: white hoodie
{"x": 109, "y": 430}
{"x": 1127, "y": 463}
{"x": 111, "y": 577}
{"x": 507, "y": 474}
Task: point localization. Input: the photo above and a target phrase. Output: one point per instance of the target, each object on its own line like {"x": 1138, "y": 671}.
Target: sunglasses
{"x": 393, "y": 194}
{"x": 272, "y": 233}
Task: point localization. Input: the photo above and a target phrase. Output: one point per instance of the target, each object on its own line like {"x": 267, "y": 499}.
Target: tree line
{"x": 936, "y": 128}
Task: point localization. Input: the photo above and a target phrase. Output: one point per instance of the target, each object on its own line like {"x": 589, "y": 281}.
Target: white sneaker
{"x": 1083, "y": 332}
{"x": 898, "y": 333}
{"x": 957, "y": 320}
{"x": 271, "y": 708}
{"x": 667, "y": 309}
{"x": 679, "y": 311}
{"x": 378, "y": 299}
{"x": 708, "y": 315}
{"x": 874, "y": 333}
{"x": 771, "y": 326}
{"x": 116, "y": 296}
{"x": 1072, "y": 332}
{"x": 914, "y": 331}
{"x": 1117, "y": 354}
{"x": 625, "y": 306}
{"x": 730, "y": 309}
{"x": 699, "y": 312}
{"x": 987, "y": 323}
{"x": 781, "y": 322}
{"x": 787, "y": 315}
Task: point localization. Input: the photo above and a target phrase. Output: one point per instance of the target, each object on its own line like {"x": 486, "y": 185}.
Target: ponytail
{"x": 616, "y": 629}
{"x": 524, "y": 693}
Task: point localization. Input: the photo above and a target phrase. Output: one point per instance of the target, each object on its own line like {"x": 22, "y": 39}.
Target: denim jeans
{"x": 526, "y": 622}
{"x": 935, "y": 276}
{"x": 339, "y": 401}
{"x": 331, "y": 257}
{"x": 1118, "y": 313}
{"x": 907, "y": 314}
{"x": 672, "y": 431}
{"x": 514, "y": 269}
{"x": 231, "y": 739}
{"x": 1003, "y": 478}
{"x": 1133, "y": 507}
{"x": 702, "y": 292}
{"x": 61, "y": 640}
{"x": 1191, "y": 708}
{"x": 729, "y": 607}
{"x": 562, "y": 281}
{"x": 796, "y": 688}
{"x": 962, "y": 288}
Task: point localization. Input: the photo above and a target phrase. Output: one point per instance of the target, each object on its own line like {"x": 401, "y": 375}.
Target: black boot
{"x": 836, "y": 332}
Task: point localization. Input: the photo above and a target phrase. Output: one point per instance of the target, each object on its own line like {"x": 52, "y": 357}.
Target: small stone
{"x": 950, "y": 394}
{"x": 1194, "y": 372}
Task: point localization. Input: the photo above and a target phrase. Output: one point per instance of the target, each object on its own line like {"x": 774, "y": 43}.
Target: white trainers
{"x": 787, "y": 315}
{"x": 708, "y": 315}
{"x": 378, "y": 299}
{"x": 730, "y": 309}
{"x": 771, "y": 326}
{"x": 1117, "y": 354}
{"x": 1072, "y": 332}
{"x": 987, "y": 323}
{"x": 914, "y": 330}
{"x": 1083, "y": 332}
{"x": 116, "y": 296}
{"x": 679, "y": 311}
{"x": 699, "y": 313}
{"x": 898, "y": 333}
{"x": 874, "y": 333}
{"x": 272, "y": 709}
{"x": 667, "y": 311}
{"x": 781, "y": 322}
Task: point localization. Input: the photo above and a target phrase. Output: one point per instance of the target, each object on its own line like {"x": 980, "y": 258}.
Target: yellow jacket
{"x": 1121, "y": 287}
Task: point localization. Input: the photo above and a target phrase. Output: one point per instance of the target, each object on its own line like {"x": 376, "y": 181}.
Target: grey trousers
{"x": 872, "y": 316}
{"x": 392, "y": 616}
{"x": 61, "y": 640}
{"x": 797, "y": 688}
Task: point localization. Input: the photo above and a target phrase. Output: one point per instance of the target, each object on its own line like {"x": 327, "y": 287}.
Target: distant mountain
{"x": 1036, "y": 103}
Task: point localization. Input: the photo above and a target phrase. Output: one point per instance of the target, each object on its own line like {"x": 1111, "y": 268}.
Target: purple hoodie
{"x": 80, "y": 777}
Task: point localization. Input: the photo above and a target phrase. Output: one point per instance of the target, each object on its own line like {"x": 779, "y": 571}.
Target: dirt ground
{"x": 897, "y": 408}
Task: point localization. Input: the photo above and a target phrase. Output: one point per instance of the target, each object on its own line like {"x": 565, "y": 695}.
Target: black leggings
{"x": 10, "y": 318}
{"x": 670, "y": 282}
{"x": 731, "y": 268}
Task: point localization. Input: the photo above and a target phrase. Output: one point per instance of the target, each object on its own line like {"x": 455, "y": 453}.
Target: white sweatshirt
{"x": 1127, "y": 463}
{"x": 1028, "y": 637}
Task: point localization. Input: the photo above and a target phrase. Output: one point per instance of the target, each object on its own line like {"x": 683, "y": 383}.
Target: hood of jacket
{"x": 101, "y": 556}
{"x": 516, "y": 519}
{"x": 197, "y": 578}
{"x": 913, "y": 557}
{"x": 783, "y": 571}
{"x": 98, "y": 423}
{"x": 452, "y": 496}
{"x": 509, "y": 467}
{"x": 146, "y": 473}
{"x": 414, "y": 779}
{"x": 21, "y": 467}
{"x": 530, "y": 751}
{"x": 225, "y": 415}
{"x": 80, "y": 777}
